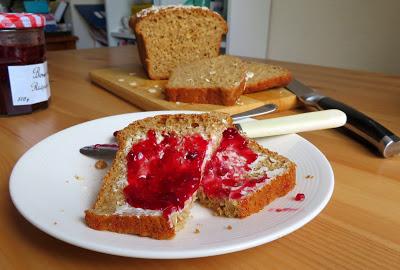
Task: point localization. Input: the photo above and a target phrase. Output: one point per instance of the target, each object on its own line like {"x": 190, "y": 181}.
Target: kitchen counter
{"x": 359, "y": 228}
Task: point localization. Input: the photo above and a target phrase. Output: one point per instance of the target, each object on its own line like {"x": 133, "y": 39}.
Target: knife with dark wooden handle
{"x": 385, "y": 141}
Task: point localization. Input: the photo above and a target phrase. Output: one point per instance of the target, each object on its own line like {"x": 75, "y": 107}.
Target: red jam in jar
{"x": 24, "y": 82}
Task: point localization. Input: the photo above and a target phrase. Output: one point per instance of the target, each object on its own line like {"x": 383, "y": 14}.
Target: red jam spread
{"x": 225, "y": 173}
{"x": 164, "y": 175}
{"x": 20, "y": 53}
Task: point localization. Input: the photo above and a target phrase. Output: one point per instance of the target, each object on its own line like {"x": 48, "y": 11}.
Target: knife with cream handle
{"x": 260, "y": 128}
{"x": 293, "y": 123}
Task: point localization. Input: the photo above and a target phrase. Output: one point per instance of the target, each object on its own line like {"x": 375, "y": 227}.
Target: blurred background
{"x": 351, "y": 34}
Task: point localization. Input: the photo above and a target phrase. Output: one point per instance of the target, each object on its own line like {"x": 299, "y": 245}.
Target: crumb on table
{"x": 239, "y": 102}
{"x": 229, "y": 227}
{"x": 197, "y": 231}
{"x": 309, "y": 176}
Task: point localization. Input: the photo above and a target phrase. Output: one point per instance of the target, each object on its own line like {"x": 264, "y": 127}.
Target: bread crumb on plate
{"x": 77, "y": 177}
{"x": 100, "y": 164}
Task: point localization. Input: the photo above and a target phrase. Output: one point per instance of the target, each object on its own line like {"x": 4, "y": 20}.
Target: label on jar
{"x": 29, "y": 84}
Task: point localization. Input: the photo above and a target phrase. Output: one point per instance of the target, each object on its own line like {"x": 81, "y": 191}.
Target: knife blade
{"x": 260, "y": 128}
{"x": 267, "y": 108}
{"x": 384, "y": 140}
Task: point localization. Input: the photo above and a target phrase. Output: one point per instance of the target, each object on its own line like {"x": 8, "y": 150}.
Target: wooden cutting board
{"x": 132, "y": 84}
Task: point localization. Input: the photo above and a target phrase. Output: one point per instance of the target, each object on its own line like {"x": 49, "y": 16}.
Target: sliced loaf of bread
{"x": 219, "y": 80}
{"x": 154, "y": 178}
{"x": 169, "y": 36}
{"x": 261, "y": 76}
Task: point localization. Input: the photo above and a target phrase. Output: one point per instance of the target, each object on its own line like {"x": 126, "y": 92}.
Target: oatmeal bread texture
{"x": 278, "y": 176}
{"x": 256, "y": 200}
{"x": 104, "y": 214}
{"x": 219, "y": 80}
{"x": 261, "y": 76}
{"x": 169, "y": 36}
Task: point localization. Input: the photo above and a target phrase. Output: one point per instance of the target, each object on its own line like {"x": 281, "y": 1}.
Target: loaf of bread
{"x": 218, "y": 80}
{"x": 169, "y": 36}
{"x": 165, "y": 162}
{"x": 261, "y": 76}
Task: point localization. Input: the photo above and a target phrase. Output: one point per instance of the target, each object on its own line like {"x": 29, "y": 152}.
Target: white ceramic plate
{"x": 52, "y": 184}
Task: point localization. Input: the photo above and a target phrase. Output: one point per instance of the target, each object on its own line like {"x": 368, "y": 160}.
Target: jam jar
{"x": 24, "y": 80}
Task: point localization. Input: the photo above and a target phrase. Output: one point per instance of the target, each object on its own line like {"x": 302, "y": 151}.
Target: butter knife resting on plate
{"x": 260, "y": 128}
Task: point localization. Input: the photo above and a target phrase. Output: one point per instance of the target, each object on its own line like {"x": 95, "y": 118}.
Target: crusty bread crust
{"x": 256, "y": 201}
{"x": 102, "y": 216}
{"x": 268, "y": 84}
{"x": 144, "y": 57}
{"x": 227, "y": 97}
{"x": 153, "y": 226}
{"x": 279, "y": 78}
{"x": 142, "y": 43}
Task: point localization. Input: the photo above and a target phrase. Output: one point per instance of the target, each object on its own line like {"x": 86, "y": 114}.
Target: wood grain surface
{"x": 132, "y": 84}
{"x": 359, "y": 228}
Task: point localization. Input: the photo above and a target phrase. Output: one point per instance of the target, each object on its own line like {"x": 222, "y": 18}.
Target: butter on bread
{"x": 236, "y": 176}
{"x": 111, "y": 210}
{"x": 245, "y": 193}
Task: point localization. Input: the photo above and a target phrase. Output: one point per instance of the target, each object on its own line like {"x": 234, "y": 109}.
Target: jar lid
{"x": 21, "y": 20}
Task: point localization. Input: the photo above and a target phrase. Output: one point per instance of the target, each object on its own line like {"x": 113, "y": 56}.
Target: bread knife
{"x": 259, "y": 128}
{"x": 385, "y": 141}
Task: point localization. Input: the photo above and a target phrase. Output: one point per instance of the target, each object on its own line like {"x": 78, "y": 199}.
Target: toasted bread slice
{"x": 242, "y": 177}
{"x": 169, "y": 36}
{"x": 157, "y": 170}
{"x": 218, "y": 80}
{"x": 261, "y": 76}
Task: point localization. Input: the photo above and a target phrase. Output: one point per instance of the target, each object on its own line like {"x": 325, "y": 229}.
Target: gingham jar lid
{"x": 21, "y": 20}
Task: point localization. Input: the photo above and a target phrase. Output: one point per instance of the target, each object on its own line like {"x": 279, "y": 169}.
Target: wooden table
{"x": 359, "y": 229}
